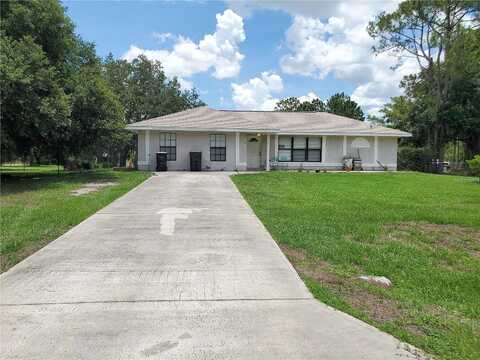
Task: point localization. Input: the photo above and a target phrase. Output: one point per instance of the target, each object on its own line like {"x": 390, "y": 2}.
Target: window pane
{"x": 168, "y": 139}
{"x": 284, "y": 155}
{"x": 299, "y": 142}
{"x": 284, "y": 142}
{"x": 314, "y": 155}
{"x": 217, "y": 154}
{"x": 298, "y": 155}
{"x": 314, "y": 143}
{"x": 217, "y": 147}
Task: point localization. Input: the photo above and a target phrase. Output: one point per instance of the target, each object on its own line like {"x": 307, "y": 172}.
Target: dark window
{"x": 218, "y": 150}
{"x": 299, "y": 149}
{"x": 168, "y": 144}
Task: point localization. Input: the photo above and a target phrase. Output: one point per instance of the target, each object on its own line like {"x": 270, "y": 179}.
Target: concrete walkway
{"x": 179, "y": 268}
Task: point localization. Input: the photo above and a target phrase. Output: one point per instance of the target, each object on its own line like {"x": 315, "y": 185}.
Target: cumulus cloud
{"x": 329, "y": 38}
{"x": 373, "y": 94}
{"x": 309, "y": 97}
{"x": 218, "y": 50}
{"x": 256, "y": 93}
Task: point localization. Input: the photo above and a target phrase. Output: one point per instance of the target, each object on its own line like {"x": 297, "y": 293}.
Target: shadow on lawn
{"x": 24, "y": 182}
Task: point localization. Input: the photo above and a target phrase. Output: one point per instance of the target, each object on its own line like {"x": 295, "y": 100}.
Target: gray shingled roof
{"x": 206, "y": 119}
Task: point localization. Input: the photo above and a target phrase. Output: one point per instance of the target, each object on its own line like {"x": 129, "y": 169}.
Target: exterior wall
{"x": 243, "y": 152}
{"x": 333, "y": 150}
{"x": 336, "y": 147}
{"x": 387, "y": 152}
{"x": 186, "y": 143}
{"x": 141, "y": 148}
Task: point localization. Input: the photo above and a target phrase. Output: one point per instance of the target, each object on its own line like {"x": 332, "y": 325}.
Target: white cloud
{"x": 333, "y": 41}
{"x": 256, "y": 93}
{"x": 309, "y": 97}
{"x": 330, "y": 38}
{"x": 218, "y": 50}
{"x": 185, "y": 84}
{"x": 353, "y": 11}
{"x": 372, "y": 95}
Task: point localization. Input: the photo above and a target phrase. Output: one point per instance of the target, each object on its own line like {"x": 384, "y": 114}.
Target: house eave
{"x": 270, "y": 131}
{"x": 226, "y": 130}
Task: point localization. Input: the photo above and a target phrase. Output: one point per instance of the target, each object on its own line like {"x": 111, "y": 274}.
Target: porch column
{"x": 276, "y": 147}
{"x": 344, "y": 146}
{"x": 375, "y": 149}
{"x": 267, "y": 165}
{"x": 237, "y": 150}
{"x": 324, "y": 148}
{"x": 147, "y": 148}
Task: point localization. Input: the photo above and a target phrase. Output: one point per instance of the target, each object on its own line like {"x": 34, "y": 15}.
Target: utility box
{"x": 195, "y": 161}
{"x": 161, "y": 161}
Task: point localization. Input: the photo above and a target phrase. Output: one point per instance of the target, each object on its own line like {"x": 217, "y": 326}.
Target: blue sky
{"x": 249, "y": 55}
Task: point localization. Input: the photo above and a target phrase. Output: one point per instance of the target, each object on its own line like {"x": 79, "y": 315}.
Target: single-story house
{"x": 255, "y": 140}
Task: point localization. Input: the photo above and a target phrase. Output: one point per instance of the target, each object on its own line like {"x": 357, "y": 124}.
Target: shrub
{"x": 474, "y": 166}
{"x": 415, "y": 159}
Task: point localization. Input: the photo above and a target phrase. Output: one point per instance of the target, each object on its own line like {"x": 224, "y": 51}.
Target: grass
{"x": 20, "y": 170}
{"x": 37, "y": 207}
{"x": 421, "y": 231}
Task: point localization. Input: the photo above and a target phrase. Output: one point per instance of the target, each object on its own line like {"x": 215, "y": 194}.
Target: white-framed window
{"x": 218, "y": 147}
{"x": 168, "y": 144}
{"x": 300, "y": 148}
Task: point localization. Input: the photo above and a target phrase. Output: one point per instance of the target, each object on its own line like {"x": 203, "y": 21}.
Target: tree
{"x": 397, "y": 112}
{"x": 474, "y": 165}
{"x": 294, "y": 104}
{"x": 145, "y": 92}
{"x": 341, "y": 104}
{"x": 461, "y": 107}
{"x": 46, "y": 22}
{"x": 34, "y": 105}
{"x": 289, "y": 104}
{"x": 375, "y": 119}
{"x": 427, "y": 31}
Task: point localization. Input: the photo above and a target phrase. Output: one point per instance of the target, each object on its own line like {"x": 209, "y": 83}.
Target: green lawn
{"x": 19, "y": 170}
{"x": 37, "y": 207}
{"x": 421, "y": 231}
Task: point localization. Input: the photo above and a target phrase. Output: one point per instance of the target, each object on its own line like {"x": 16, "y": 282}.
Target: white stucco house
{"x": 254, "y": 140}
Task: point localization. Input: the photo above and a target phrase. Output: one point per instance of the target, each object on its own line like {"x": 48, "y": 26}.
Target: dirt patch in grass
{"x": 378, "y": 308}
{"x": 91, "y": 187}
{"x": 451, "y": 237}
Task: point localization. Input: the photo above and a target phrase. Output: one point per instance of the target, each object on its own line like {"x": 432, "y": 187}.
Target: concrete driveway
{"x": 178, "y": 268}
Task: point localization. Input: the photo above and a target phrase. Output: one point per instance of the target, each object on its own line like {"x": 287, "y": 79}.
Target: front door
{"x": 253, "y": 152}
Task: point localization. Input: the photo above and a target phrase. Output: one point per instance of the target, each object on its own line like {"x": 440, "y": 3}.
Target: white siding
{"x": 334, "y": 150}
{"x": 199, "y": 141}
{"x": 387, "y": 151}
{"x": 191, "y": 142}
{"x": 141, "y": 147}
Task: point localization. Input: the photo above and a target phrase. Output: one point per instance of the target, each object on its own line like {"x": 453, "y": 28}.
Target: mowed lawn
{"x": 422, "y": 231}
{"x": 37, "y": 206}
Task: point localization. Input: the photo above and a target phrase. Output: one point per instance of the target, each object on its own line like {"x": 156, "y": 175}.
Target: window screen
{"x": 168, "y": 144}
{"x": 299, "y": 148}
{"x": 218, "y": 149}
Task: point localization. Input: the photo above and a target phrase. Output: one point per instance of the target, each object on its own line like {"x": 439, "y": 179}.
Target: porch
{"x": 241, "y": 151}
